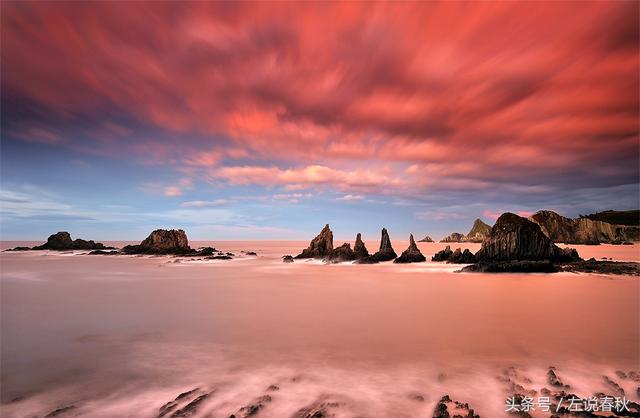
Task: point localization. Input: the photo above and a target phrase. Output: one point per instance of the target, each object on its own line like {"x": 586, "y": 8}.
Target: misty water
{"x": 115, "y": 336}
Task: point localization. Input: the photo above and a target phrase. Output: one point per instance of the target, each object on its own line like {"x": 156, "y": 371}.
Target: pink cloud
{"x": 172, "y": 191}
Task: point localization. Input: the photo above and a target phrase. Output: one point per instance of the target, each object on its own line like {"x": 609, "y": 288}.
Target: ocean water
{"x": 112, "y": 336}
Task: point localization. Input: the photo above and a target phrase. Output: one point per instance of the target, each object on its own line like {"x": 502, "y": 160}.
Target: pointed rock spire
{"x": 359, "y": 248}
{"x": 321, "y": 246}
{"x": 385, "y": 253}
{"x": 411, "y": 254}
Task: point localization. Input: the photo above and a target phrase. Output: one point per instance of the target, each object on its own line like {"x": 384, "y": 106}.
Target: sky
{"x": 261, "y": 120}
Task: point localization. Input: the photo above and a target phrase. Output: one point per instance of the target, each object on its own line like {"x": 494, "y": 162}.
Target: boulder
{"x": 411, "y": 254}
{"x": 162, "y": 241}
{"x": 287, "y": 259}
{"x": 61, "y": 241}
{"x": 426, "y": 239}
{"x": 359, "y": 249}
{"x": 340, "y": 254}
{"x": 442, "y": 255}
{"x": 462, "y": 257}
{"x": 321, "y": 246}
{"x": 479, "y": 231}
{"x": 455, "y": 237}
{"x": 385, "y": 253}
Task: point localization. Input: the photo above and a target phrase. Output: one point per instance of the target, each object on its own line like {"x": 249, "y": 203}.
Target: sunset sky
{"x": 264, "y": 120}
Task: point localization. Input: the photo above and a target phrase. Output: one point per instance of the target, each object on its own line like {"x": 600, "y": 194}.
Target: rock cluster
{"x": 454, "y": 257}
{"x": 341, "y": 254}
{"x": 583, "y": 230}
{"x": 62, "y": 241}
{"x": 411, "y": 254}
{"x": 479, "y": 231}
{"x": 321, "y": 246}
{"x": 162, "y": 241}
{"x": 426, "y": 239}
{"x": 454, "y": 237}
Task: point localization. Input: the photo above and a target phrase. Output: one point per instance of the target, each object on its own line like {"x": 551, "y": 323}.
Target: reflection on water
{"x": 123, "y": 335}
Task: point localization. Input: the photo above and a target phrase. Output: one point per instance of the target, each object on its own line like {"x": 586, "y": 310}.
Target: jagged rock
{"x": 514, "y": 266}
{"x": 411, "y": 254}
{"x": 426, "y": 239}
{"x": 604, "y": 267}
{"x": 191, "y": 408}
{"x": 445, "y": 407}
{"x": 321, "y": 408}
{"x": 359, "y": 249}
{"x": 385, "y": 253}
{"x": 171, "y": 405}
{"x": 61, "y": 241}
{"x": 321, "y": 246}
{"x": 287, "y": 259}
{"x": 442, "y": 255}
{"x": 162, "y": 241}
{"x": 253, "y": 408}
{"x": 462, "y": 257}
{"x": 554, "y": 380}
{"x": 455, "y": 237}
{"x": 479, "y": 231}
{"x": 340, "y": 254}
{"x": 583, "y": 230}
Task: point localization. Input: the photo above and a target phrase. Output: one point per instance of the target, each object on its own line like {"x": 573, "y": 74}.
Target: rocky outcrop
{"x": 321, "y": 246}
{"x": 411, "y": 254}
{"x": 455, "y": 237}
{"x": 426, "y": 239}
{"x": 479, "y": 231}
{"x": 583, "y": 230}
{"x": 162, "y": 241}
{"x": 462, "y": 257}
{"x": 385, "y": 253}
{"x": 61, "y": 241}
{"x": 359, "y": 249}
{"x": 340, "y": 254}
{"x": 515, "y": 266}
{"x": 603, "y": 267}
{"x": 442, "y": 255}
{"x": 287, "y": 259}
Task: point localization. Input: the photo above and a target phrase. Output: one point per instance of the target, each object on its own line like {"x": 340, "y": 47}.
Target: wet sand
{"x": 123, "y": 335}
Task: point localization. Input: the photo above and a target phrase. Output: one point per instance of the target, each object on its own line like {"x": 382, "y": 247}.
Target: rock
{"x": 162, "y": 241}
{"x": 340, "y": 254}
{"x": 583, "y": 230}
{"x": 426, "y": 239}
{"x": 253, "y": 408}
{"x": 603, "y": 267}
{"x": 554, "y": 380}
{"x": 251, "y": 253}
{"x": 565, "y": 255}
{"x": 171, "y": 405}
{"x": 102, "y": 252}
{"x": 287, "y": 259}
{"x": 462, "y": 257}
{"x": 411, "y": 254}
{"x": 359, "y": 249}
{"x": 442, "y": 255}
{"x": 515, "y": 266}
{"x": 321, "y": 408}
{"x": 385, "y": 253}
{"x": 18, "y": 249}
{"x": 455, "y": 237}
{"x": 61, "y": 241}
{"x": 206, "y": 251}
{"x": 321, "y": 246}
{"x": 479, "y": 231}
{"x": 460, "y": 409}
{"x": 59, "y": 411}
{"x": 219, "y": 257}
{"x": 191, "y": 408}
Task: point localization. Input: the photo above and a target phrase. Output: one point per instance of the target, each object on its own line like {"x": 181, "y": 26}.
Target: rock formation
{"x": 462, "y": 257}
{"x": 321, "y": 246}
{"x": 359, "y": 249}
{"x": 455, "y": 237}
{"x": 62, "y": 242}
{"x": 442, "y": 255}
{"x": 479, "y": 231}
{"x": 385, "y": 253}
{"x": 287, "y": 259}
{"x": 583, "y": 230}
{"x": 162, "y": 241}
{"x": 426, "y": 239}
{"x": 411, "y": 254}
{"x": 340, "y": 254}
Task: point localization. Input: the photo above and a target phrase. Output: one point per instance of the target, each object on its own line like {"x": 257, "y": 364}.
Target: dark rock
{"x": 479, "y": 231}
{"x": 19, "y": 249}
{"x": 218, "y": 257}
{"x": 442, "y": 255}
{"x": 565, "y": 255}
{"x": 319, "y": 409}
{"x": 426, "y": 239}
{"x": 442, "y": 409}
{"x": 250, "y": 253}
{"x": 455, "y": 237}
{"x": 554, "y": 380}
{"x": 206, "y": 251}
{"x": 411, "y": 254}
{"x": 287, "y": 259}
{"x": 253, "y": 408}
{"x": 340, "y": 254}
{"x": 321, "y": 246}
{"x": 614, "y": 385}
{"x": 273, "y": 388}
{"x": 516, "y": 266}
{"x": 359, "y": 249}
{"x": 102, "y": 252}
{"x": 462, "y": 257}
{"x": 162, "y": 241}
{"x": 603, "y": 267}
{"x": 385, "y": 253}
{"x": 171, "y": 405}
{"x": 61, "y": 241}
{"x": 191, "y": 408}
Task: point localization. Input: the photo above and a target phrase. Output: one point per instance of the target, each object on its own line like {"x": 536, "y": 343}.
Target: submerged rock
{"x": 321, "y": 246}
{"x": 604, "y": 267}
{"x": 359, "y": 249}
{"x": 162, "y": 241}
{"x": 411, "y": 254}
{"x": 340, "y": 254}
{"x": 514, "y": 266}
{"x": 287, "y": 259}
{"x": 442, "y": 255}
{"x": 61, "y": 241}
